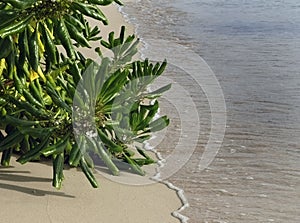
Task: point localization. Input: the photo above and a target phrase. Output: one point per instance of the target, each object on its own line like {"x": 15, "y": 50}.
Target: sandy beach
{"x": 28, "y": 196}
{"x": 27, "y": 189}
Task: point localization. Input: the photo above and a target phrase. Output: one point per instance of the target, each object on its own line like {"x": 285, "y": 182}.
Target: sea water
{"x": 253, "y": 48}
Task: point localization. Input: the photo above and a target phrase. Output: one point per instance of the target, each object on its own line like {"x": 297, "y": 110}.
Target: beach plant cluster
{"x": 58, "y": 104}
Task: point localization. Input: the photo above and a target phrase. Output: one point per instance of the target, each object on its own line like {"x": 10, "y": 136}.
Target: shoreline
{"x": 30, "y": 189}
{"x": 179, "y": 191}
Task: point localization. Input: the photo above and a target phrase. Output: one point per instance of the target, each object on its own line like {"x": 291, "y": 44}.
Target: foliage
{"x": 56, "y": 103}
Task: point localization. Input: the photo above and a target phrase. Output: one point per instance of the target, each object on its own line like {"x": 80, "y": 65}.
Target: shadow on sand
{"x": 9, "y": 175}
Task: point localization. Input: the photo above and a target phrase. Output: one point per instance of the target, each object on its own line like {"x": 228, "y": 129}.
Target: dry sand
{"x": 27, "y": 195}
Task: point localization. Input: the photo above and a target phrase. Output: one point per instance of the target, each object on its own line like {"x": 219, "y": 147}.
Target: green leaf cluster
{"x": 57, "y": 104}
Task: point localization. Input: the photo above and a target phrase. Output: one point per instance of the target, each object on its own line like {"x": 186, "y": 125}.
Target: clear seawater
{"x": 253, "y": 47}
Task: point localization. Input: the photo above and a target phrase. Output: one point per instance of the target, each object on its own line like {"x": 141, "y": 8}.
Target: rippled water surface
{"x": 253, "y": 47}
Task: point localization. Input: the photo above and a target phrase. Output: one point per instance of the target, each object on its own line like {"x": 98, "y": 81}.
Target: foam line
{"x": 161, "y": 161}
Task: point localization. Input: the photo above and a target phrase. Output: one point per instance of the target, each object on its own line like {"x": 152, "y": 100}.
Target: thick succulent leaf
{"x": 157, "y": 93}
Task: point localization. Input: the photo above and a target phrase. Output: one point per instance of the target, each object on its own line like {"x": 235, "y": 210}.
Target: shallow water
{"x": 253, "y": 47}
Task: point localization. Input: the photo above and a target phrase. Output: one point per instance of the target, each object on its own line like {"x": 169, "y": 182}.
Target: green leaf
{"x": 158, "y": 92}
{"x": 159, "y": 124}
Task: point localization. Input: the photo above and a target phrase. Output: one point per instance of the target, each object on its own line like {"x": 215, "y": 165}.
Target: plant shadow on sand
{"x": 10, "y": 175}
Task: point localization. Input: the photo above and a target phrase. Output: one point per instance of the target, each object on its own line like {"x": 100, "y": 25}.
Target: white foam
{"x": 161, "y": 161}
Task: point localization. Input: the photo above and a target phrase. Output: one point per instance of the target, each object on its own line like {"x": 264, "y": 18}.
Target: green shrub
{"x": 57, "y": 104}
